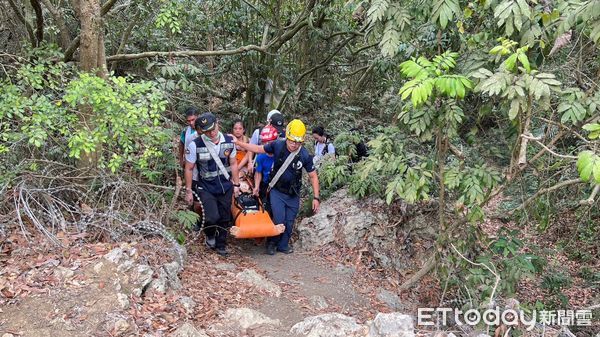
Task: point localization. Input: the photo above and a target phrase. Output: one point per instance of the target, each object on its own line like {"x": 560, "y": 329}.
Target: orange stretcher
{"x": 251, "y": 220}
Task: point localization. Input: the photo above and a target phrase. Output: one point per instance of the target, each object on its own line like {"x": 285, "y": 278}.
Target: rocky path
{"x": 309, "y": 287}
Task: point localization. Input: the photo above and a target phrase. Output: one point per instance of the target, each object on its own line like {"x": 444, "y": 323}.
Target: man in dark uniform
{"x": 285, "y": 181}
{"x": 213, "y": 154}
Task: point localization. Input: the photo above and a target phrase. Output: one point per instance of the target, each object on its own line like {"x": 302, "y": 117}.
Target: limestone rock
{"x": 188, "y": 330}
{"x": 142, "y": 278}
{"x": 123, "y": 301}
{"x": 390, "y": 299}
{"x": 63, "y": 273}
{"x": 259, "y": 281}
{"x": 318, "y": 302}
{"x": 329, "y": 325}
{"x": 392, "y": 324}
{"x": 188, "y": 304}
{"x": 167, "y": 278}
{"x": 114, "y": 255}
{"x": 248, "y": 318}
{"x": 121, "y": 326}
{"x": 98, "y": 267}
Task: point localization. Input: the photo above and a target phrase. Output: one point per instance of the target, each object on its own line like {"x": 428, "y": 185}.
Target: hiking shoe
{"x": 289, "y": 250}
{"x": 270, "y": 249}
{"x": 222, "y": 251}
{"x": 210, "y": 242}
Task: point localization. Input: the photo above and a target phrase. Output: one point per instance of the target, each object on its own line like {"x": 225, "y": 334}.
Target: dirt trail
{"x": 310, "y": 286}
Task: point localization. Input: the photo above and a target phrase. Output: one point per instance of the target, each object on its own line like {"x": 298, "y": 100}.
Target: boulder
{"x": 259, "y": 281}
{"x": 392, "y": 325}
{"x": 318, "y": 302}
{"x": 246, "y": 318}
{"x": 340, "y": 215}
{"x": 329, "y": 325}
{"x": 389, "y": 298}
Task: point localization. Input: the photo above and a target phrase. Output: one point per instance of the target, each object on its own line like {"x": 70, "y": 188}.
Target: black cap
{"x": 277, "y": 120}
{"x": 206, "y": 122}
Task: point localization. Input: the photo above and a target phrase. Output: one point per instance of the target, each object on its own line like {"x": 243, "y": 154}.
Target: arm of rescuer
{"x": 235, "y": 175}
{"x": 314, "y": 181}
{"x": 188, "y": 171}
{"x": 181, "y": 157}
{"x": 249, "y": 147}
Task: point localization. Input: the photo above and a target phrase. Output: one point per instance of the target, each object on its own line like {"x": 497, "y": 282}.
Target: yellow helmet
{"x": 295, "y": 131}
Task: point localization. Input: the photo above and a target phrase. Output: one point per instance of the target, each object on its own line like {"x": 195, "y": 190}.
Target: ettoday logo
{"x": 508, "y": 317}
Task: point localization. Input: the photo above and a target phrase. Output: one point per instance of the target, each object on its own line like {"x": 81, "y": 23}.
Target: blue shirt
{"x": 264, "y": 164}
{"x": 290, "y": 181}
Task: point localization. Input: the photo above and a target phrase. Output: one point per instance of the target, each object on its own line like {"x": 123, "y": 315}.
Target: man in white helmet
{"x": 274, "y": 118}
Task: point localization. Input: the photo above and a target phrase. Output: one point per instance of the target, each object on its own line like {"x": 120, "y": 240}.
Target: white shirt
{"x": 190, "y": 153}
{"x": 190, "y": 135}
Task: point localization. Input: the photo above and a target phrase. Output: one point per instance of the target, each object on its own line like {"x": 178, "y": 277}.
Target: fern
{"x": 377, "y": 10}
{"x": 444, "y": 11}
{"x": 511, "y": 14}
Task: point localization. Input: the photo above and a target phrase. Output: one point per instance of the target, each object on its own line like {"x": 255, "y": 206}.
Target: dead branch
{"x": 187, "y": 53}
{"x": 590, "y": 201}
{"x": 528, "y": 136}
{"x": 428, "y": 266}
{"x": 546, "y": 190}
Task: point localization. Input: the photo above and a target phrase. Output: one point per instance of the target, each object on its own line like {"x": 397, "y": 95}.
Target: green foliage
{"x": 584, "y": 15}
{"x": 506, "y": 259}
{"x": 73, "y": 116}
{"x": 444, "y": 11}
{"x": 427, "y": 75}
{"x": 186, "y": 218}
{"x": 588, "y": 166}
{"x": 394, "y": 19}
{"x": 169, "y": 17}
{"x": 594, "y": 130}
{"x": 511, "y": 14}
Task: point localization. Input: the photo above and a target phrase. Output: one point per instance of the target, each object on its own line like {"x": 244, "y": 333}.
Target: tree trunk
{"x": 92, "y": 59}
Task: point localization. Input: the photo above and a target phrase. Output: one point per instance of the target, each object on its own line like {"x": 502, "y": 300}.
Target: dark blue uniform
{"x": 285, "y": 195}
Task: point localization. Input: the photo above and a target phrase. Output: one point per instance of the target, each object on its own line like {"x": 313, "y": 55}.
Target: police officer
{"x": 213, "y": 154}
{"x": 290, "y": 157}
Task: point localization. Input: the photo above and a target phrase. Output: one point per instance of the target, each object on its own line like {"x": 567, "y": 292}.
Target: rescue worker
{"x": 285, "y": 181}
{"x": 187, "y": 134}
{"x": 214, "y": 156}
{"x": 274, "y": 118}
{"x": 264, "y": 165}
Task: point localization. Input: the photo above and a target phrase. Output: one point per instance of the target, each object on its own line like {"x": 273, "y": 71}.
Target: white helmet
{"x": 271, "y": 113}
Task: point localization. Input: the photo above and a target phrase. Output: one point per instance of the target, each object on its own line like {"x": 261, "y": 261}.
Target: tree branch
{"x": 324, "y": 63}
{"x": 65, "y": 37}
{"x": 39, "y": 21}
{"x": 590, "y": 201}
{"x": 537, "y": 140}
{"x": 186, "y": 53}
{"x": 23, "y": 21}
{"x": 546, "y": 190}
